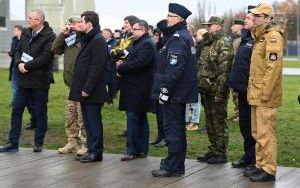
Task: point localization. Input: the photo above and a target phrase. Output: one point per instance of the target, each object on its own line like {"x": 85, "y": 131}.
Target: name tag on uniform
{"x": 71, "y": 40}
{"x": 25, "y": 57}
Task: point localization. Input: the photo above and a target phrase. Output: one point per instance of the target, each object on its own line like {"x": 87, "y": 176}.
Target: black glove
{"x": 163, "y": 95}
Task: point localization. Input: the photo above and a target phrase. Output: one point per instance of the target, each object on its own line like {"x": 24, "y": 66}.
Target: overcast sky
{"x": 112, "y": 12}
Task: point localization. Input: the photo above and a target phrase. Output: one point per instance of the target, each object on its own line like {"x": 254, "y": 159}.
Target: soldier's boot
{"x": 71, "y": 147}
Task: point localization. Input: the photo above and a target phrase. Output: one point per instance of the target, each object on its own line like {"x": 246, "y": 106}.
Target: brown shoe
{"x": 127, "y": 157}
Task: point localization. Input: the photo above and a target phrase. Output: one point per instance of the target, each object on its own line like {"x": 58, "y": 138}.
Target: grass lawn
{"x": 292, "y": 64}
{"x": 288, "y": 124}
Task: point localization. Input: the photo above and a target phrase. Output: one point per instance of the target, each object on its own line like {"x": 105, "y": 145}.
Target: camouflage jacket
{"x": 214, "y": 65}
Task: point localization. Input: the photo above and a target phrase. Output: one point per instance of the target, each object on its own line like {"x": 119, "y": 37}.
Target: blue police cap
{"x": 179, "y": 10}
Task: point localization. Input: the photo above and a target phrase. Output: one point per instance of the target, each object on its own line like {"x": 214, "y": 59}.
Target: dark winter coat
{"x": 136, "y": 76}
{"x": 89, "y": 72}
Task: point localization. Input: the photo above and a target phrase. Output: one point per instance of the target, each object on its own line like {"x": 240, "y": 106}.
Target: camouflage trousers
{"x": 235, "y": 100}
{"x": 216, "y": 124}
{"x": 74, "y": 122}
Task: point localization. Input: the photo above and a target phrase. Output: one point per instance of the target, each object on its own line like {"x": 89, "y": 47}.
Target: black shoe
{"x": 123, "y": 134}
{"x": 252, "y": 171}
{"x": 217, "y": 159}
{"x": 30, "y": 126}
{"x": 37, "y": 148}
{"x": 239, "y": 164}
{"x": 205, "y": 157}
{"x": 161, "y": 144}
{"x": 9, "y": 148}
{"x": 79, "y": 157}
{"x": 263, "y": 177}
{"x": 163, "y": 164}
{"x": 141, "y": 155}
{"x": 91, "y": 157}
{"x": 250, "y": 167}
{"x": 163, "y": 173}
{"x": 157, "y": 140}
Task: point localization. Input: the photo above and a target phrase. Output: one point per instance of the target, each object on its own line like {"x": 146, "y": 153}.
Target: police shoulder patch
{"x": 273, "y": 56}
{"x": 173, "y": 58}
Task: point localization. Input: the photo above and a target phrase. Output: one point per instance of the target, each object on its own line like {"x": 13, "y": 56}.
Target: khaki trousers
{"x": 263, "y": 121}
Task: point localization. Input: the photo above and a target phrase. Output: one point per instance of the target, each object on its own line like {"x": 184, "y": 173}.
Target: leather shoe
{"x": 9, "y": 148}
{"x": 205, "y": 157}
{"x": 30, "y": 126}
{"x": 239, "y": 164}
{"x": 141, "y": 155}
{"x": 252, "y": 172}
{"x": 79, "y": 157}
{"x": 163, "y": 164}
{"x": 91, "y": 157}
{"x": 127, "y": 157}
{"x": 163, "y": 173}
{"x": 37, "y": 148}
{"x": 263, "y": 177}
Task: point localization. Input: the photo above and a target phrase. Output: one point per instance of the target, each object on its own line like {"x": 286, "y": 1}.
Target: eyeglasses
{"x": 136, "y": 29}
{"x": 30, "y": 18}
{"x": 260, "y": 15}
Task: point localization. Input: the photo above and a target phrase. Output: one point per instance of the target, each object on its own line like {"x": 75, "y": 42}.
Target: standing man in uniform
{"x": 214, "y": 67}
{"x": 88, "y": 85}
{"x": 238, "y": 81}
{"x": 175, "y": 84}
{"x": 265, "y": 91}
{"x": 68, "y": 43}
{"x": 236, "y": 28}
{"x": 34, "y": 61}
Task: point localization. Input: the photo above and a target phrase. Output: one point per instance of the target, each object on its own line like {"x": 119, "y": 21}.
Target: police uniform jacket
{"x": 136, "y": 76}
{"x": 39, "y": 48}
{"x": 239, "y": 75}
{"x": 89, "y": 71}
{"x": 176, "y": 67}
{"x": 60, "y": 47}
{"x": 265, "y": 79}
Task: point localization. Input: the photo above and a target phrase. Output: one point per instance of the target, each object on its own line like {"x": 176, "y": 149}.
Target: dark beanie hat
{"x": 131, "y": 19}
{"x": 179, "y": 10}
{"x": 250, "y": 7}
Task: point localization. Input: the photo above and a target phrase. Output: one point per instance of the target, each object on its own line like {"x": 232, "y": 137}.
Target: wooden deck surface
{"x": 50, "y": 169}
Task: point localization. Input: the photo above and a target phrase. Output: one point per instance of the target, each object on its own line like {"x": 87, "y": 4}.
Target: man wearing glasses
{"x": 34, "y": 61}
{"x": 175, "y": 84}
{"x": 265, "y": 91}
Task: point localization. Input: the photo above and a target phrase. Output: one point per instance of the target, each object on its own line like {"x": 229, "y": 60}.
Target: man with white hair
{"x": 34, "y": 61}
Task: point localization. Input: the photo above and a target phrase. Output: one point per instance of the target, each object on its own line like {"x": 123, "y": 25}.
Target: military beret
{"x": 238, "y": 22}
{"x": 263, "y": 8}
{"x": 179, "y": 10}
{"x": 214, "y": 20}
{"x": 250, "y": 7}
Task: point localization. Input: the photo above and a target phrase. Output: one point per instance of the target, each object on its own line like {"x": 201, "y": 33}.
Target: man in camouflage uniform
{"x": 213, "y": 71}
{"x": 236, "y": 28}
{"x": 122, "y": 49}
{"x": 68, "y": 43}
{"x": 265, "y": 91}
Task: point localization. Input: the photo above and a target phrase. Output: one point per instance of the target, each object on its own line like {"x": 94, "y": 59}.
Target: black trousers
{"x": 245, "y": 128}
{"x": 175, "y": 135}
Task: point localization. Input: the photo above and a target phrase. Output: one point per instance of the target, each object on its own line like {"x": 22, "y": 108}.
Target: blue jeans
{"x": 192, "y": 112}
{"x": 39, "y": 101}
{"x": 92, "y": 118}
{"x": 137, "y": 133}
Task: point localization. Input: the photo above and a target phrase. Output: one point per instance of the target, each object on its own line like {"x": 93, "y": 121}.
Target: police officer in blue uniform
{"x": 175, "y": 84}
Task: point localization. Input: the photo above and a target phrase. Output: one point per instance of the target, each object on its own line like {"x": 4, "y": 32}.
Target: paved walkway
{"x": 50, "y": 169}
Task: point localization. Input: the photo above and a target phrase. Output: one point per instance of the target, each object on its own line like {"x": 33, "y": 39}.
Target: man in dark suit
{"x": 88, "y": 86}
{"x": 136, "y": 74}
{"x": 34, "y": 61}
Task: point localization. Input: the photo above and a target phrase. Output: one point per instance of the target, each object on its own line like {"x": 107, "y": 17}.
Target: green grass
{"x": 292, "y": 64}
{"x": 288, "y": 128}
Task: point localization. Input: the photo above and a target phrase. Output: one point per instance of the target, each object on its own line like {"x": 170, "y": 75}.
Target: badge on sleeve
{"x": 273, "y": 56}
{"x": 173, "y": 59}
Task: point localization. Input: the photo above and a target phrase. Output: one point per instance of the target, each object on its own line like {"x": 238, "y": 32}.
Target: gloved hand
{"x": 163, "y": 95}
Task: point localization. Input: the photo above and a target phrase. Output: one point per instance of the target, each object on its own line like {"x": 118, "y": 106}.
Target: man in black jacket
{"x": 34, "y": 61}
{"x": 88, "y": 86}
